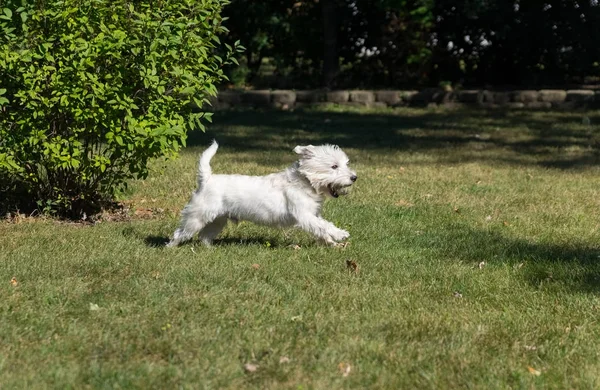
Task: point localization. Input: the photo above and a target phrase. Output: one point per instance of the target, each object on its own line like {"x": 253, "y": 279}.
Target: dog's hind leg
{"x": 212, "y": 230}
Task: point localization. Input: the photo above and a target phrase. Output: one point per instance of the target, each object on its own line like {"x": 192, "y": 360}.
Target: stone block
{"x": 539, "y": 105}
{"x": 338, "y": 96}
{"x": 362, "y": 96}
{"x": 525, "y": 96}
{"x": 553, "y": 95}
{"x": 580, "y": 95}
{"x": 310, "y": 96}
{"x": 257, "y": 98}
{"x": 485, "y": 97}
{"x": 467, "y": 96}
{"x": 231, "y": 97}
{"x": 283, "y": 97}
{"x": 408, "y": 96}
{"x": 515, "y": 105}
{"x": 501, "y": 98}
{"x": 390, "y": 98}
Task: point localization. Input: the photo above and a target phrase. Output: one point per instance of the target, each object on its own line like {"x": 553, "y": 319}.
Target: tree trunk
{"x": 331, "y": 64}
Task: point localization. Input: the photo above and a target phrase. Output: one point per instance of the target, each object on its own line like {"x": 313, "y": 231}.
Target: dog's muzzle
{"x": 339, "y": 190}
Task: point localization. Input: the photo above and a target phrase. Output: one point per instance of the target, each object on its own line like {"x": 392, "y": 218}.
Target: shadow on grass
{"x": 156, "y": 241}
{"x": 572, "y": 266}
{"x": 160, "y": 241}
{"x": 541, "y": 135}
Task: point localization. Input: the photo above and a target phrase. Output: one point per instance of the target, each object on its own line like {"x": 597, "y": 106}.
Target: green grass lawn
{"x": 475, "y": 233}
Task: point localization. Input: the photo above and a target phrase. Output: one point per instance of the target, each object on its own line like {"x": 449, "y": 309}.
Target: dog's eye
{"x": 334, "y": 167}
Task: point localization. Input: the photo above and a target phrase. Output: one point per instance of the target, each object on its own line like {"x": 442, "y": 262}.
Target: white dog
{"x": 290, "y": 198}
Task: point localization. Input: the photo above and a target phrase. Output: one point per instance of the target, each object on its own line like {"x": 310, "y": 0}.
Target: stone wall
{"x": 537, "y": 99}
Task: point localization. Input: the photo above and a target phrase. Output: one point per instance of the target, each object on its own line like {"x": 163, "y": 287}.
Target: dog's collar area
{"x": 306, "y": 180}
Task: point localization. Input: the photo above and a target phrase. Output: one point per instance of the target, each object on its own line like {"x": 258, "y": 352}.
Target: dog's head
{"x": 326, "y": 168}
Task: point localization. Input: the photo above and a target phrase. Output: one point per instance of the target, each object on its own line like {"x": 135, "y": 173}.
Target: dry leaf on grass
{"x": 344, "y": 368}
{"x": 256, "y": 266}
{"x": 14, "y": 282}
{"x": 94, "y": 307}
{"x": 505, "y": 223}
{"x": 457, "y": 210}
{"x": 457, "y": 294}
{"x": 143, "y": 213}
{"x": 294, "y": 246}
{"x": 533, "y": 371}
{"x": 284, "y": 359}
{"x": 404, "y": 203}
{"x": 351, "y": 264}
{"x": 249, "y": 367}
{"x": 481, "y": 265}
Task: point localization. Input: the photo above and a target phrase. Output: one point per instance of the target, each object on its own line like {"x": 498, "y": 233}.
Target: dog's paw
{"x": 340, "y": 235}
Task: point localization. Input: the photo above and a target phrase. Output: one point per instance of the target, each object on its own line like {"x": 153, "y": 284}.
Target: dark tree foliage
{"x": 392, "y": 43}
{"x": 372, "y": 41}
{"x": 533, "y": 42}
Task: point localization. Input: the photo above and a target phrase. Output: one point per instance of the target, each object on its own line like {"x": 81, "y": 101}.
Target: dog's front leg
{"x": 322, "y": 229}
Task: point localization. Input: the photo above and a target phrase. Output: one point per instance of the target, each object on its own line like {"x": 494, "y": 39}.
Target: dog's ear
{"x": 305, "y": 151}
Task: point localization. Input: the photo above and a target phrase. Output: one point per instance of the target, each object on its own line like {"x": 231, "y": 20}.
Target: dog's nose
{"x": 353, "y": 177}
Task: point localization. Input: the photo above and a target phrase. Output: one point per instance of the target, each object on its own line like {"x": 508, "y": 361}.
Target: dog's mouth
{"x": 337, "y": 191}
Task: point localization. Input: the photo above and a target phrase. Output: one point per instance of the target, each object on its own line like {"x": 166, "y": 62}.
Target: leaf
{"x": 256, "y": 266}
{"x": 143, "y": 213}
{"x": 351, "y": 264}
{"x": 14, "y": 282}
{"x": 249, "y": 367}
{"x": 533, "y": 371}
{"x": 284, "y": 359}
{"x": 404, "y": 203}
{"x": 94, "y": 307}
{"x": 345, "y": 369}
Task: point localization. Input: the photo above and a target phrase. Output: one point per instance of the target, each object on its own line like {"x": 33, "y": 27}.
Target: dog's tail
{"x": 204, "y": 171}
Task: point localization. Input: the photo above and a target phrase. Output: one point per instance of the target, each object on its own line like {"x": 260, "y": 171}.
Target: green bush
{"x": 92, "y": 90}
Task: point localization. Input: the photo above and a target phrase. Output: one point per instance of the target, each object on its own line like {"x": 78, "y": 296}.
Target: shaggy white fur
{"x": 293, "y": 197}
